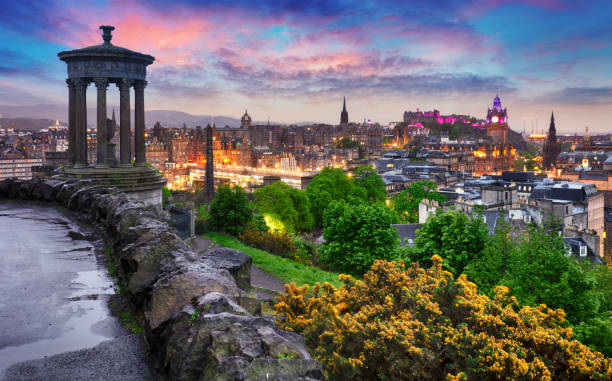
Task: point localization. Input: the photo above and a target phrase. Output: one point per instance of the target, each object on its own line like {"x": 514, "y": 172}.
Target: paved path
{"x": 120, "y": 359}
{"x": 259, "y": 278}
{"x": 53, "y": 302}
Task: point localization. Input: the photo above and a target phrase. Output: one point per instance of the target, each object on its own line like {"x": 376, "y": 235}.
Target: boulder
{"x": 143, "y": 260}
{"x": 237, "y": 263}
{"x": 174, "y": 291}
{"x": 45, "y": 190}
{"x": 226, "y": 346}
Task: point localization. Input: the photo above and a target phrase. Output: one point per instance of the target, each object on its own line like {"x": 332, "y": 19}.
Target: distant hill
{"x": 26, "y": 123}
{"x": 167, "y": 118}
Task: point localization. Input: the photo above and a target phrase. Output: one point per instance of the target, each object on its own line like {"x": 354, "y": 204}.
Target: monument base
{"x": 141, "y": 184}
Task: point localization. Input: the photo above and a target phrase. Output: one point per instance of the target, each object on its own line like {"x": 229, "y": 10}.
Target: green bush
{"x": 356, "y": 235}
{"x": 306, "y": 251}
{"x": 200, "y": 225}
{"x": 230, "y": 211}
{"x": 272, "y": 242}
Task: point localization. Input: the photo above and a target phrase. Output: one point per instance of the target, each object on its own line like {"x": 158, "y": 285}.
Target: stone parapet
{"x": 200, "y": 323}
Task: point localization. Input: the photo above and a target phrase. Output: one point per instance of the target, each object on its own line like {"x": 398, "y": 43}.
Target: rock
{"x": 44, "y": 190}
{"x": 226, "y": 346}
{"x": 215, "y": 303}
{"x": 237, "y": 263}
{"x": 13, "y": 188}
{"x": 5, "y": 186}
{"x": 142, "y": 261}
{"x": 172, "y": 292}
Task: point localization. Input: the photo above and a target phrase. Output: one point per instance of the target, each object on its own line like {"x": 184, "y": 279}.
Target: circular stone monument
{"x": 103, "y": 65}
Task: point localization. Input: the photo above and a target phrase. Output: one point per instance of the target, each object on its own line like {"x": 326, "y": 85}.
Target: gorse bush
{"x": 410, "y": 323}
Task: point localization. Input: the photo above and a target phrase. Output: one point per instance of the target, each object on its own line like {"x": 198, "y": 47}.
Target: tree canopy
{"x": 356, "y": 235}
{"x": 366, "y": 178}
{"x": 291, "y": 206}
{"x": 404, "y": 322}
{"x": 331, "y": 184}
{"x": 406, "y": 203}
{"x": 230, "y": 211}
{"x": 452, "y": 235}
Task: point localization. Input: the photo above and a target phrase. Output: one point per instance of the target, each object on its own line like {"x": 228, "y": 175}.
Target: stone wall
{"x": 200, "y": 324}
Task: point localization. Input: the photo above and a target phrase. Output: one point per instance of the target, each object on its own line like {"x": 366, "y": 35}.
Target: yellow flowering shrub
{"x": 408, "y": 323}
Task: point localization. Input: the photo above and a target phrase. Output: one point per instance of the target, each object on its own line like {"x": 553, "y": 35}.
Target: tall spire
{"x": 114, "y": 120}
{"x": 552, "y": 129}
{"x": 551, "y": 148}
{"x": 344, "y": 113}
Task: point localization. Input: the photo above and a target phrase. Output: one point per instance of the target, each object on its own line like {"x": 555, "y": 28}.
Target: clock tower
{"x": 497, "y": 122}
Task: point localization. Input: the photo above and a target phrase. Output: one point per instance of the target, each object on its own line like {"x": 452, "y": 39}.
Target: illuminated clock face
{"x": 495, "y": 119}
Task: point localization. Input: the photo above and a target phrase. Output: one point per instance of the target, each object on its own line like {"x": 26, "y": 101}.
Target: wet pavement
{"x": 53, "y": 294}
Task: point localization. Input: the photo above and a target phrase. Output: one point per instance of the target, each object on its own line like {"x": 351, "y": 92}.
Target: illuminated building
{"x": 496, "y": 155}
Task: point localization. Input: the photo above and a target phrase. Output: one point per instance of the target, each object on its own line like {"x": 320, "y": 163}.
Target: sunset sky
{"x": 294, "y": 61}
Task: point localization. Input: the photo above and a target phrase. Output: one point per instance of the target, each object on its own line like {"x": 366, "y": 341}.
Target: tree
{"x": 454, "y": 236}
{"x": 230, "y": 211}
{"x": 345, "y": 142}
{"x": 407, "y": 323}
{"x": 356, "y": 235}
{"x": 488, "y": 271}
{"x": 331, "y": 184}
{"x": 291, "y": 206}
{"x": 406, "y": 203}
{"x": 536, "y": 270}
{"x": 365, "y": 177}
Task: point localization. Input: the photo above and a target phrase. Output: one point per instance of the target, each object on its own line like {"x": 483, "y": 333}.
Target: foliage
{"x": 165, "y": 196}
{"x": 289, "y": 205}
{"x": 200, "y": 225}
{"x": 274, "y": 242}
{"x": 537, "y": 271}
{"x": 406, "y": 203}
{"x": 259, "y": 223}
{"x": 331, "y": 184}
{"x": 130, "y": 322}
{"x": 306, "y": 251}
{"x": 454, "y": 236}
{"x": 345, "y": 142}
{"x": 534, "y": 266}
{"x": 282, "y": 268}
{"x": 596, "y": 333}
{"x": 365, "y": 177}
{"x": 230, "y": 211}
{"x": 521, "y": 164}
{"x": 410, "y": 323}
{"x": 356, "y": 235}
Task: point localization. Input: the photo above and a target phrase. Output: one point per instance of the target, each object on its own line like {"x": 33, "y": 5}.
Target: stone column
{"x": 101, "y": 157}
{"x": 71, "y": 122}
{"x": 125, "y": 149}
{"x": 139, "y": 122}
{"x": 80, "y": 105}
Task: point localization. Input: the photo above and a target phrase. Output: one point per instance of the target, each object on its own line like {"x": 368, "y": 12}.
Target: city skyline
{"x": 294, "y": 63}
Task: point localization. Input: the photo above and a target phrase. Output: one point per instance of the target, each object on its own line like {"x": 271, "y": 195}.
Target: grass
{"x": 130, "y": 322}
{"x": 282, "y": 268}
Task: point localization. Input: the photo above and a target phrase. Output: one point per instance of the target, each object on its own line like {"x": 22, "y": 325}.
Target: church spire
{"x": 114, "y": 120}
{"x": 344, "y": 113}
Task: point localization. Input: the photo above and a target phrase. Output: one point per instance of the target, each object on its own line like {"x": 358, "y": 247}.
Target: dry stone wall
{"x": 200, "y": 324}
